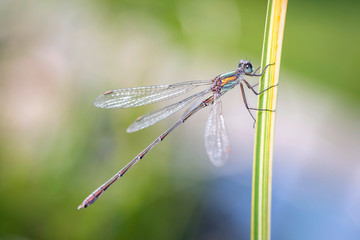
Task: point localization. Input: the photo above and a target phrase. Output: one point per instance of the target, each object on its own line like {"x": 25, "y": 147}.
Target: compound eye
{"x": 248, "y": 68}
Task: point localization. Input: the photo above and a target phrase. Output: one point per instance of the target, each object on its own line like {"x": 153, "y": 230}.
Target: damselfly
{"x": 216, "y": 138}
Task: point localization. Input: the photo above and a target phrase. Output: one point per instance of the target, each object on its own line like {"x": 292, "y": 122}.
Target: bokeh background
{"x": 56, "y": 147}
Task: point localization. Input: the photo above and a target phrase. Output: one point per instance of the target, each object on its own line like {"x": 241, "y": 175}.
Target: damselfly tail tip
{"x": 81, "y": 206}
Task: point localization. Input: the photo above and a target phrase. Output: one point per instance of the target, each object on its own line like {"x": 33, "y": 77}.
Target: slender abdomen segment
{"x": 98, "y": 192}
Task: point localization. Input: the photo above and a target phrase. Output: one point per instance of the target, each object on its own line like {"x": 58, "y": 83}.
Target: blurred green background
{"x": 56, "y": 147}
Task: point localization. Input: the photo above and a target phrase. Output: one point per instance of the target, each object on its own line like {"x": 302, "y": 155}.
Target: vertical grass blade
{"x": 263, "y": 152}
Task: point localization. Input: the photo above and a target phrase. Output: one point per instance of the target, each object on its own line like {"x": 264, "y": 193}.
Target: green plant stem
{"x": 264, "y": 136}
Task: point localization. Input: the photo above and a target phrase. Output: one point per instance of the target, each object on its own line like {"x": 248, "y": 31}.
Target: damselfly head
{"x": 246, "y": 66}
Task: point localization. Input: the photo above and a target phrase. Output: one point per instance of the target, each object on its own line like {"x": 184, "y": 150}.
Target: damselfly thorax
{"x": 225, "y": 82}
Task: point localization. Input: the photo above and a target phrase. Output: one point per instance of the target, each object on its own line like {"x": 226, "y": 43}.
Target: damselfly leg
{"x": 255, "y": 92}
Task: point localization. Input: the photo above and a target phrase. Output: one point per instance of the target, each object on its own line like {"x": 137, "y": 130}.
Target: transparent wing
{"x": 196, "y": 102}
{"x": 134, "y": 97}
{"x": 153, "y": 117}
{"x": 216, "y": 138}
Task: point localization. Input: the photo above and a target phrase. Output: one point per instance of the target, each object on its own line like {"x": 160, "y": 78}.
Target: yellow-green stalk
{"x": 264, "y": 136}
